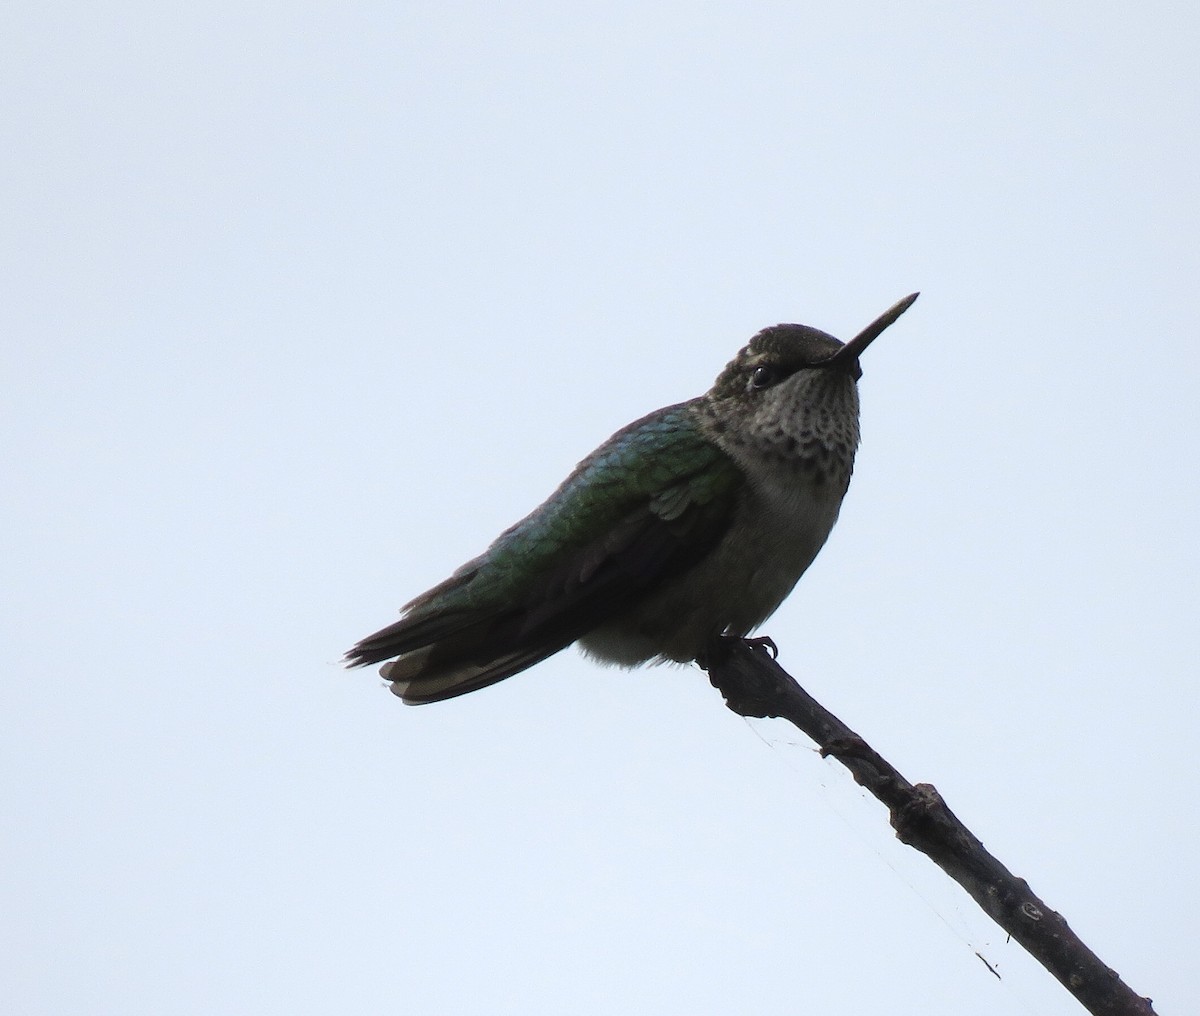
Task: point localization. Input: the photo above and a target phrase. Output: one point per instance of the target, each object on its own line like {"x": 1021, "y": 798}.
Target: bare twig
{"x": 753, "y": 684}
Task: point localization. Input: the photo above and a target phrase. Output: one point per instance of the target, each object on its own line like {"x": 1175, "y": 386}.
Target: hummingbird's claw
{"x": 713, "y": 654}
{"x": 764, "y": 642}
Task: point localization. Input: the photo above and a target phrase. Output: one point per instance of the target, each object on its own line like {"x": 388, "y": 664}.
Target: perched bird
{"x": 691, "y": 523}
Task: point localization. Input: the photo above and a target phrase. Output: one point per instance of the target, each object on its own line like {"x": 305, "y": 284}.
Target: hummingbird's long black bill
{"x": 853, "y": 349}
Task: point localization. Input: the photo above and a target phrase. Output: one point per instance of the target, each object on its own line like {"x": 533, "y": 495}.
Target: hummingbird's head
{"x": 784, "y": 376}
{"x": 778, "y": 353}
{"x": 790, "y": 380}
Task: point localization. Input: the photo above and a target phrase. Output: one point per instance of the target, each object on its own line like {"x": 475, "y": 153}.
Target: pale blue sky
{"x": 305, "y": 303}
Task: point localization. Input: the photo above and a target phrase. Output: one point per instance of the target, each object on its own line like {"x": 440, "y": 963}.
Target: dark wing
{"x": 644, "y": 507}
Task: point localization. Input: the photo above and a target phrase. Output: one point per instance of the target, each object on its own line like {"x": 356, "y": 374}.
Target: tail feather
{"x": 417, "y": 678}
{"x": 408, "y": 635}
{"x": 446, "y": 654}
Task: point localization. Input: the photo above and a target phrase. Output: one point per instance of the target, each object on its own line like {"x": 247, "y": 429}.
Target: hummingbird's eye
{"x": 763, "y": 377}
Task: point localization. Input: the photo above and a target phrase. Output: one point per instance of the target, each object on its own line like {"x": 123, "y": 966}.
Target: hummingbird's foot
{"x": 716, "y": 651}
{"x": 764, "y": 642}
{"x": 738, "y": 668}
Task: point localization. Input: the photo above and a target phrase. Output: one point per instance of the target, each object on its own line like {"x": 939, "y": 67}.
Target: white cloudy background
{"x": 304, "y": 303}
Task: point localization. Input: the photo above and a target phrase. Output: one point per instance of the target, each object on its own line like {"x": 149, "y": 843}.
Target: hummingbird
{"x": 690, "y": 524}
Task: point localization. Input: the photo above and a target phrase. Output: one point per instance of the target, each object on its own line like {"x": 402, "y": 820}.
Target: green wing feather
{"x": 644, "y": 507}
